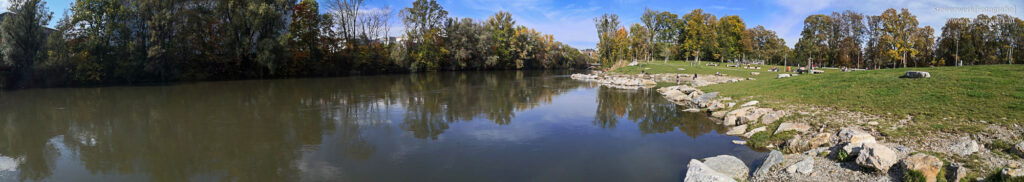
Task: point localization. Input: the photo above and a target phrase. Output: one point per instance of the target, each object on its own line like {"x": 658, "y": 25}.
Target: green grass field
{"x": 954, "y": 99}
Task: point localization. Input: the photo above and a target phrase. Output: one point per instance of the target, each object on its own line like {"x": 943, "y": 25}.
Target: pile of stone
{"x": 691, "y": 97}
{"x": 616, "y": 81}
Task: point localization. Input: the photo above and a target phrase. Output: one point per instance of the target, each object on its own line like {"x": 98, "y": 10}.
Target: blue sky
{"x": 571, "y": 21}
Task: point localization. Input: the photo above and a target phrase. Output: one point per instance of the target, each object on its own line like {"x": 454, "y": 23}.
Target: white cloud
{"x": 4, "y": 4}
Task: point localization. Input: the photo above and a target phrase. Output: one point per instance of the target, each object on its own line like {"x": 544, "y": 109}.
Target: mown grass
{"x": 954, "y": 99}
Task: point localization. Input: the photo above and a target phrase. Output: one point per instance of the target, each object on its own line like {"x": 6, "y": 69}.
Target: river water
{"x": 449, "y": 126}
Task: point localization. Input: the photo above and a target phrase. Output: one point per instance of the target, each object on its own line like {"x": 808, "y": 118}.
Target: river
{"x": 447, "y": 126}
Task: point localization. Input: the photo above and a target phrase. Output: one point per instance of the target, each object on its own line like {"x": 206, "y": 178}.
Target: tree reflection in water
{"x": 651, "y": 112}
{"x": 257, "y": 130}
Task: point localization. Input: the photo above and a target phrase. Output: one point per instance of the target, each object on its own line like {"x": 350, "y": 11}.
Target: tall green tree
{"x": 639, "y": 42}
{"x": 23, "y": 37}
{"x": 423, "y": 22}
{"x": 700, "y": 37}
{"x": 896, "y": 30}
{"x": 814, "y": 39}
{"x": 502, "y": 29}
{"x": 607, "y": 26}
{"x": 730, "y": 37}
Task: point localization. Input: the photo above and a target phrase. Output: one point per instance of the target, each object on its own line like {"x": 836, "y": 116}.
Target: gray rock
{"x": 847, "y": 134}
{"x": 751, "y": 103}
{"x": 739, "y": 142}
{"x": 784, "y": 76}
{"x": 698, "y": 172}
{"x": 787, "y": 126}
{"x": 876, "y": 156}
{"x": 753, "y": 115}
{"x": 797, "y": 143}
{"x": 728, "y": 165}
{"x": 715, "y": 105}
{"x": 964, "y": 147}
{"x": 774, "y": 157}
{"x": 771, "y": 117}
{"x": 855, "y": 139}
{"x": 916, "y": 74}
{"x": 805, "y": 166}
{"x": 754, "y": 131}
{"x": 704, "y": 99}
{"x": 731, "y": 118}
{"x": 737, "y": 131}
{"x": 691, "y": 110}
{"x": 672, "y": 94}
{"x": 719, "y": 114}
{"x": 956, "y": 172}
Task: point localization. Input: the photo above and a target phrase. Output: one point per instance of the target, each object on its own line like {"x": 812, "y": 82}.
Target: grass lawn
{"x": 952, "y": 100}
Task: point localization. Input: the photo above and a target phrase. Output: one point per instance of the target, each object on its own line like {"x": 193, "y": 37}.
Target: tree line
{"x": 895, "y": 39}
{"x": 841, "y": 39}
{"x": 139, "y": 41}
{"x": 696, "y": 35}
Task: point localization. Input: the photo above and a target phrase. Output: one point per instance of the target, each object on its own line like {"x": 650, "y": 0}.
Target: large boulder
{"x": 731, "y": 118}
{"x": 737, "y": 131}
{"x": 755, "y": 131}
{"x": 787, "y": 126}
{"x": 672, "y": 94}
{"x": 925, "y": 164}
{"x": 753, "y": 115}
{"x": 854, "y": 139}
{"x": 964, "y": 147}
{"x": 719, "y": 114}
{"x": 686, "y": 89}
{"x": 916, "y": 74}
{"x": 797, "y": 143}
{"x": 774, "y": 157}
{"x": 820, "y": 139}
{"x": 876, "y": 156}
{"x": 704, "y": 99}
{"x": 751, "y": 103}
{"x": 728, "y": 165}
{"x": 805, "y": 166}
{"x": 771, "y": 117}
{"x": 715, "y": 105}
{"x": 698, "y": 172}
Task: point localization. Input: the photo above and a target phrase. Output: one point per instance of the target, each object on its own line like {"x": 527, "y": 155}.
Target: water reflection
{"x": 260, "y": 130}
{"x": 649, "y": 111}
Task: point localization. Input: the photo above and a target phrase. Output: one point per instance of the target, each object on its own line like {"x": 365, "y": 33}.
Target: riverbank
{"x": 964, "y": 116}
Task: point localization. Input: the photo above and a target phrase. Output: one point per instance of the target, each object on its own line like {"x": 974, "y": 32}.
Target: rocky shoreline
{"x": 842, "y": 150}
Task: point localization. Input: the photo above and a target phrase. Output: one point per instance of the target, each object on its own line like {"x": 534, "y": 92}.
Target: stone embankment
{"x": 817, "y": 153}
{"x": 649, "y": 80}
{"x": 617, "y": 81}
